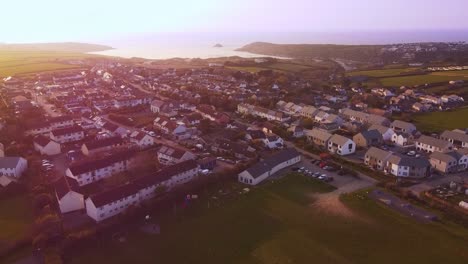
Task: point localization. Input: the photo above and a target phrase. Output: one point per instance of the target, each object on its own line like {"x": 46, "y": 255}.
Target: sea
{"x": 201, "y": 45}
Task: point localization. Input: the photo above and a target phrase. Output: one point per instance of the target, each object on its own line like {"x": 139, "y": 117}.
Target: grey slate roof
{"x": 9, "y": 162}
{"x": 377, "y": 153}
{"x": 433, "y": 141}
{"x": 263, "y": 166}
{"x": 459, "y": 136}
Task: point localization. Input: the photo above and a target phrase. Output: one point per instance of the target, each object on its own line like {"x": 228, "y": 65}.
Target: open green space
{"x": 421, "y": 79}
{"x": 15, "y": 218}
{"x": 382, "y": 72}
{"x": 26, "y": 62}
{"x": 440, "y": 121}
{"x": 284, "y": 66}
{"x": 278, "y": 223}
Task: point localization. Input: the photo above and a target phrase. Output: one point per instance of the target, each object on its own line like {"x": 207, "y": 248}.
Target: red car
{"x": 322, "y": 164}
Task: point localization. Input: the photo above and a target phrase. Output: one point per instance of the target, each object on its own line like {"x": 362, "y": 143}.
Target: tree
{"x": 205, "y": 126}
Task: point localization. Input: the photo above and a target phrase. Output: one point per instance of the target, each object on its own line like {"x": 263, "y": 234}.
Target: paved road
{"x": 402, "y": 206}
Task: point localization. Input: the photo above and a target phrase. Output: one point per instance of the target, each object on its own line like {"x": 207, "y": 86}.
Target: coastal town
{"x": 95, "y": 143}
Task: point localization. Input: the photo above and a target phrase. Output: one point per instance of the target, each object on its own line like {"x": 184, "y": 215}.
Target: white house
{"x": 386, "y": 132}
{"x": 341, "y": 145}
{"x": 402, "y": 139}
{"x": 11, "y": 169}
{"x": 101, "y": 145}
{"x": 404, "y": 166}
{"x": 430, "y": 144}
{"x": 68, "y": 197}
{"x": 118, "y": 200}
{"x": 112, "y": 202}
{"x": 46, "y": 146}
{"x": 68, "y": 134}
{"x": 141, "y": 139}
{"x": 402, "y": 126}
{"x": 273, "y": 142}
{"x": 169, "y": 155}
{"x": 93, "y": 170}
{"x": 263, "y": 169}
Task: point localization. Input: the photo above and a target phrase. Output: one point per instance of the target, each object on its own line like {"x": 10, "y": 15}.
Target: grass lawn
{"x": 15, "y": 218}
{"x": 283, "y": 67}
{"x": 382, "y": 73}
{"x": 276, "y": 223}
{"x": 439, "y": 121}
{"x": 434, "y": 77}
{"x": 26, "y": 62}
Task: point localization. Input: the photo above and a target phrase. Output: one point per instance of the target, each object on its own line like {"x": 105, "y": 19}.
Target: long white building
{"x": 115, "y": 201}
{"x": 263, "y": 169}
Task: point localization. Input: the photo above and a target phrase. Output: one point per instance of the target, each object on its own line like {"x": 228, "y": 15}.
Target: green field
{"x": 440, "y": 121}
{"x": 382, "y": 73}
{"x": 421, "y": 79}
{"x": 27, "y": 62}
{"x": 278, "y": 223}
{"x": 284, "y": 67}
{"x": 15, "y": 218}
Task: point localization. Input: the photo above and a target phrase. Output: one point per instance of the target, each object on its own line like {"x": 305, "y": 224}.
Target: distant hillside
{"x": 379, "y": 54}
{"x": 326, "y": 51}
{"x": 57, "y": 47}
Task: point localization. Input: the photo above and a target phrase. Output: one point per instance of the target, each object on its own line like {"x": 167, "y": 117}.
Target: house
{"x": 269, "y": 166}
{"x": 169, "y": 155}
{"x": 384, "y": 131}
{"x": 296, "y": 131}
{"x": 402, "y": 126}
{"x": 112, "y": 202}
{"x": 11, "y": 169}
{"x": 192, "y": 119}
{"x": 169, "y": 177}
{"x": 168, "y": 126}
{"x": 449, "y": 162}
{"x": 114, "y": 129}
{"x": 405, "y": 166}
{"x": 117, "y": 200}
{"x": 168, "y": 109}
{"x": 402, "y": 139}
{"x": 94, "y": 170}
{"x": 273, "y": 142}
{"x": 309, "y": 111}
{"x": 319, "y": 137}
{"x": 255, "y": 135}
{"x": 418, "y": 107}
{"x": 141, "y": 139}
{"x": 68, "y": 196}
{"x": 238, "y": 150}
{"x": 261, "y": 112}
{"x": 362, "y": 117}
{"x": 46, "y": 146}
{"x": 208, "y": 163}
{"x": 368, "y": 138}
{"x": 341, "y": 145}
{"x": 377, "y": 158}
{"x": 100, "y": 145}
{"x": 68, "y": 134}
{"x": 431, "y": 144}
{"x": 457, "y": 138}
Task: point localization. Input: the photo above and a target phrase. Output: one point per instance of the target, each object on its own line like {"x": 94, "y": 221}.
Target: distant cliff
{"x": 59, "y": 47}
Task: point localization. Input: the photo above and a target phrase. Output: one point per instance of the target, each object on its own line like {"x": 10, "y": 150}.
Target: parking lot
{"x": 345, "y": 182}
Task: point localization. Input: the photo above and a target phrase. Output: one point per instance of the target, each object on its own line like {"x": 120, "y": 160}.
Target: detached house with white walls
{"x": 341, "y": 145}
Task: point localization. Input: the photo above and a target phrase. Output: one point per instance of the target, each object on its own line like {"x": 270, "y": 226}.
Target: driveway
{"x": 436, "y": 181}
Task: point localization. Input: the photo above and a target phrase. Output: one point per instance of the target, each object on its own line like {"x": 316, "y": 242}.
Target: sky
{"x": 82, "y": 20}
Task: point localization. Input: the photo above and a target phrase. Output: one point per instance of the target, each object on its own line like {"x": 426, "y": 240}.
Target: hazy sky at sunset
{"x": 68, "y": 20}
